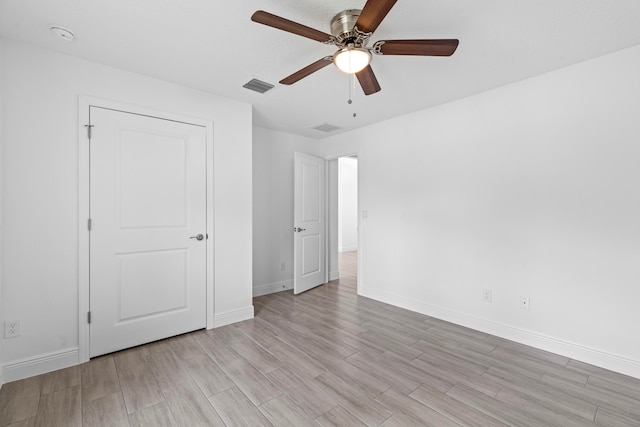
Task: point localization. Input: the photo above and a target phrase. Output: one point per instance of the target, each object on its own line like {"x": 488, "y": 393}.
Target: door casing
{"x": 84, "y": 102}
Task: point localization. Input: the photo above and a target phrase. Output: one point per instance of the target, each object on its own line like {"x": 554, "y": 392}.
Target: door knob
{"x": 197, "y": 237}
{"x": 298, "y": 229}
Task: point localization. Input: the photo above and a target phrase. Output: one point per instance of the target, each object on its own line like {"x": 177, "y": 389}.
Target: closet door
{"x": 148, "y": 229}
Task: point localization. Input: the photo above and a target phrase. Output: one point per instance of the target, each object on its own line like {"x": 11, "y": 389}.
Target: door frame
{"x": 84, "y": 103}
{"x": 360, "y": 223}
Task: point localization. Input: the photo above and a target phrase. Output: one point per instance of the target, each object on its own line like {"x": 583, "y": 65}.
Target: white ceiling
{"x": 213, "y": 45}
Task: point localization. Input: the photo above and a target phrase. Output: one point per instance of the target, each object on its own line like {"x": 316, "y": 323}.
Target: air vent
{"x": 326, "y": 127}
{"x": 258, "y": 86}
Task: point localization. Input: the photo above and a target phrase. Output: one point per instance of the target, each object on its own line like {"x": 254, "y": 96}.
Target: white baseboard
{"x": 233, "y": 316}
{"x": 41, "y": 364}
{"x": 348, "y": 248}
{"x": 569, "y": 349}
{"x": 334, "y": 275}
{"x": 270, "y": 288}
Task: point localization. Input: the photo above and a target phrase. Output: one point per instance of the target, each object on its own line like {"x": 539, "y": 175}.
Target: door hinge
{"x": 89, "y": 224}
{"x": 88, "y": 317}
{"x": 88, "y": 130}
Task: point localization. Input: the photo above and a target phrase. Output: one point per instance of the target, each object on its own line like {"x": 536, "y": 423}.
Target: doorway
{"x": 343, "y": 217}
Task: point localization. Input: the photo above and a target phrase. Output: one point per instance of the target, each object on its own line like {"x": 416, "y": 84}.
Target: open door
{"x": 309, "y": 223}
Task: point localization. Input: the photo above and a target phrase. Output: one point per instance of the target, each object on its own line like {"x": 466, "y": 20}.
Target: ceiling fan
{"x": 351, "y": 30}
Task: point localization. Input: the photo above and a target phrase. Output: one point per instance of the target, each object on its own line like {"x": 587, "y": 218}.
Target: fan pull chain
{"x": 352, "y": 89}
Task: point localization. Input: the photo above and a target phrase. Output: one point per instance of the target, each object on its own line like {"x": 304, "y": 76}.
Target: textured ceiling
{"x": 213, "y": 45}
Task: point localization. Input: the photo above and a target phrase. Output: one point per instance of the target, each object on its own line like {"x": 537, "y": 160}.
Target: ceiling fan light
{"x": 352, "y": 59}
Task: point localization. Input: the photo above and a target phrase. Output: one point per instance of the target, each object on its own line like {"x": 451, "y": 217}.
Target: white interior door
{"x": 309, "y": 222}
{"x": 148, "y": 229}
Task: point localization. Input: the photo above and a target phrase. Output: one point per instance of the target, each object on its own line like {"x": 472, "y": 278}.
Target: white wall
{"x": 273, "y": 207}
{"x": 528, "y": 190}
{"x": 40, "y": 91}
{"x": 348, "y": 206}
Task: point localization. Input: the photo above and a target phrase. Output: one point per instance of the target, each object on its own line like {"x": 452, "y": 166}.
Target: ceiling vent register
{"x": 326, "y": 127}
{"x": 258, "y": 86}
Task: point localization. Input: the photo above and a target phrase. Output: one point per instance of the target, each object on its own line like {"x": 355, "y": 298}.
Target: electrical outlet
{"x": 525, "y": 303}
{"x": 11, "y": 328}
{"x": 487, "y": 295}
{"x": 283, "y": 266}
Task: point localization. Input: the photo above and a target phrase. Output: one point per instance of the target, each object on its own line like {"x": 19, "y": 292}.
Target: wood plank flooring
{"x": 327, "y": 357}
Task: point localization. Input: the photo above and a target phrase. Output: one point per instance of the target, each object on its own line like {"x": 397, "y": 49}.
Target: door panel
{"x": 158, "y": 273}
{"x": 162, "y": 158}
{"x": 309, "y": 235}
{"x": 311, "y": 186}
{"x": 147, "y": 198}
{"x": 311, "y": 247}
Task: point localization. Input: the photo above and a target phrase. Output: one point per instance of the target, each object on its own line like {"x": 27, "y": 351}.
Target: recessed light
{"x": 62, "y": 32}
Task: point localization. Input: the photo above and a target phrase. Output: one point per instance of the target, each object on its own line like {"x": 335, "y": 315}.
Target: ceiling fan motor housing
{"x": 342, "y": 26}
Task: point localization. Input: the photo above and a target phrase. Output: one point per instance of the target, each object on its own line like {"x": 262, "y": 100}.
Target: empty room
{"x": 319, "y": 212}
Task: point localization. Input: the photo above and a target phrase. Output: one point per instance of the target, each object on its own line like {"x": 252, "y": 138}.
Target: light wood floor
{"x": 327, "y": 357}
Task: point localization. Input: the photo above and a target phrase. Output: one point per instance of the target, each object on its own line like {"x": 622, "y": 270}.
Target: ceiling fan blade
{"x": 283, "y": 24}
{"x": 372, "y": 14}
{"x": 309, "y": 69}
{"x": 444, "y": 47}
{"x": 368, "y": 81}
